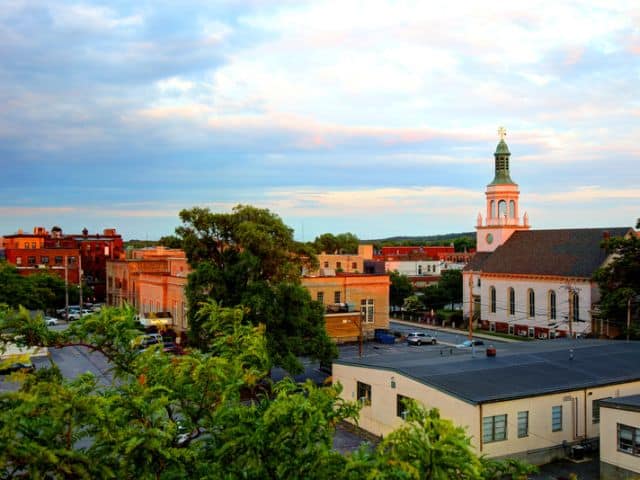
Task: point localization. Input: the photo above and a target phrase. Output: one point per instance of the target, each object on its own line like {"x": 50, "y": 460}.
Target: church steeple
{"x": 501, "y": 156}
{"x": 502, "y": 216}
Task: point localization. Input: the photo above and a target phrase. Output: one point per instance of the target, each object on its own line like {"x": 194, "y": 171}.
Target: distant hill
{"x": 418, "y": 240}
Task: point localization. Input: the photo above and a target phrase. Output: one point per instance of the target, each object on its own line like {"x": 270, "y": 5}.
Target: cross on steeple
{"x": 502, "y": 132}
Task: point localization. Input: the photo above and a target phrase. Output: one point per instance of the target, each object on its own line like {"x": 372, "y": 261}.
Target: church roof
{"x": 568, "y": 252}
{"x": 477, "y": 261}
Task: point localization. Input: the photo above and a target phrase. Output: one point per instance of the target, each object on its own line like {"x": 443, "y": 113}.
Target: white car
{"x": 50, "y": 321}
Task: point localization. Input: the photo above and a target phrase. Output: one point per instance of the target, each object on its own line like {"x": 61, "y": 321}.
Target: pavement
{"x": 455, "y": 331}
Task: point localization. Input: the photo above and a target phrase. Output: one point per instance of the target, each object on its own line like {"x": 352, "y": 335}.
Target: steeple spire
{"x": 502, "y": 155}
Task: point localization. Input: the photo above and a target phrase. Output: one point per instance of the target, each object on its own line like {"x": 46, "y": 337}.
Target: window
{"x": 320, "y": 297}
{"x": 33, "y": 244}
{"x": 31, "y": 260}
{"x": 367, "y": 310}
{"x": 523, "y": 424}
{"x": 502, "y": 208}
{"x": 556, "y": 418}
{"x": 512, "y": 301}
{"x": 71, "y": 260}
{"x": 532, "y": 303}
{"x": 401, "y": 408}
{"x": 326, "y": 264}
{"x": 492, "y": 295}
{"x": 419, "y": 269}
{"x": 478, "y": 281}
{"x": 494, "y": 428}
{"x": 338, "y": 265}
{"x": 18, "y": 260}
{"x": 354, "y": 265}
{"x": 44, "y": 260}
{"x": 512, "y": 209}
{"x": 57, "y": 260}
{"x": 552, "y": 305}
{"x": 595, "y": 410}
{"x": 364, "y": 393}
{"x": 628, "y": 439}
{"x": 336, "y": 297}
{"x": 575, "y": 312}
{"x": 493, "y": 209}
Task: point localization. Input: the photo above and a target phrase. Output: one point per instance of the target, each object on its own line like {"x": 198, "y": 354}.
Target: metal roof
{"x": 518, "y": 370}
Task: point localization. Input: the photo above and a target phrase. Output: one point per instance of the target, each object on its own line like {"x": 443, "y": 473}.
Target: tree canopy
{"x": 619, "y": 280}
{"x": 340, "y": 243}
{"x": 399, "y": 289}
{"x": 207, "y": 415}
{"x": 39, "y": 291}
{"x": 249, "y": 258}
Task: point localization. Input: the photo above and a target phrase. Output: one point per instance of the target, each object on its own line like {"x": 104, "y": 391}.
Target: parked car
{"x": 382, "y": 335}
{"x": 419, "y": 338}
{"x": 171, "y": 347}
{"x": 17, "y": 367}
{"x": 50, "y": 321}
{"x": 73, "y": 315}
{"x": 146, "y": 340}
{"x": 470, "y": 343}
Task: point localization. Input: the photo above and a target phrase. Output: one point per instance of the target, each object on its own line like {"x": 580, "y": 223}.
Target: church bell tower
{"x": 502, "y": 216}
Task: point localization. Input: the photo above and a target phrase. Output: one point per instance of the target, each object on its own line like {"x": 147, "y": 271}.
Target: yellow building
{"x": 531, "y": 401}
{"x": 620, "y": 438}
{"x": 352, "y": 302}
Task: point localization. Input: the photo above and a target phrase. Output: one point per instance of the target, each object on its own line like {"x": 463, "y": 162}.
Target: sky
{"x": 378, "y": 118}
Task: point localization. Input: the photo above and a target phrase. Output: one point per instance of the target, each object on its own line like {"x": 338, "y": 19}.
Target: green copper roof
{"x": 502, "y": 176}
{"x": 502, "y": 148}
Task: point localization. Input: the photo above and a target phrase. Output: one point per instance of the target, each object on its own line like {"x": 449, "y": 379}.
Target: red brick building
{"x": 83, "y": 254}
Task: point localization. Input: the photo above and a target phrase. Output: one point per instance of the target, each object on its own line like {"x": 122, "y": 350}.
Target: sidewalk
{"x": 455, "y": 331}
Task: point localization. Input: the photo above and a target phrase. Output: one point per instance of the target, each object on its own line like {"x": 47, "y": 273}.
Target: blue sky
{"x": 378, "y": 117}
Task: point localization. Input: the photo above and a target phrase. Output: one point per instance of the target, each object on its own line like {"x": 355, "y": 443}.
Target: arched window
{"x": 419, "y": 269}
{"x": 532, "y": 303}
{"x": 576, "y": 306}
{"x": 492, "y": 294}
{"x": 502, "y": 208}
{"x": 552, "y": 305}
{"x": 512, "y": 209}
{"x": 493, "y": 209}
{"x": 512, "y": 301}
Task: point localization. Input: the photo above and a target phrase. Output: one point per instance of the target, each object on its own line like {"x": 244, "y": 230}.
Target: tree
{"x": 341, "y": 243}
{"x": 249, "y": 258}
{"x": 451, "y": 284}
{"x": 462, "y": 244}
{"x": 170, "y": 241}
{"x": 400, "y": 288}
{"x": 619, "y": 279}
{"x": 40, "y": 291}
{"x": 412, "y": 304}
{"x": 201, "y": 415}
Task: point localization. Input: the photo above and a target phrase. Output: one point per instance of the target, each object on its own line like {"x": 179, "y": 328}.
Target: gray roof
{"x": 631, "y": 402}
{"x": 476, "y": 263}
{"x": 519, "y": 370}
{"x": 568, "y": 252}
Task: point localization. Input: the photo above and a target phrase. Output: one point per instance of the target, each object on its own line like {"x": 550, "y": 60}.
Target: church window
{"x": 512, "y": 301}
{"x": 502, "y": 208}
{"x": 552, "y": 305}
{"x": 512, "y": 209}
{"x": 575, "y": 311}
{"x": 532, "y": 303}
{"x": 493, "y": 209}
{"x": 492, "y": 294}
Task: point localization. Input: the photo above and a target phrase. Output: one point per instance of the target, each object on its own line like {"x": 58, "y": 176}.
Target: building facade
{"x": 535, "y": 283}
{"x": 620, "y": 437}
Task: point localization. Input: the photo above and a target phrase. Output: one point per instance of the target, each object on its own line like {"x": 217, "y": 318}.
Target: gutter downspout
{"x": 480, "y": 428}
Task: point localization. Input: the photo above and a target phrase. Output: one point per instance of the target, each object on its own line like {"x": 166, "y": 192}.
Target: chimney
{"x": 85, "y": 232}
{"x": 606, "y": 235}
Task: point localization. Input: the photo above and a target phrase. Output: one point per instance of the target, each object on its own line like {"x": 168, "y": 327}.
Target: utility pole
{"x": 66, "y": 288}
{"x": 470, "y": 306}
{"x": 628, "y": 316}
{"x": 80, "y": 279}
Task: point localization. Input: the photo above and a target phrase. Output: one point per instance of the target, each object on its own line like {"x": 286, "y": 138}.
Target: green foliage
{"x": 202, "y": 415}
{"x": 465, "y": 243}
{"x": 40, "y": 291}
{"x": 249, "y": 258}
{"x": 341, "y": 243}
{"x": 400, "y": 288}
{"x": 133, "y": 243}
{"x": 451, "y": 284}
{"x": 413, "y": 303}
{"x": 170, "y": 241}
{"x": 619, "y": 280}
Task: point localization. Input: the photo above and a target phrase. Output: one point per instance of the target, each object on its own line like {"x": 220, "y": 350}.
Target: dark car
{"x": 420, "y": 338}
{"x": 171, "y": 347}
{"x": 17, "y": 367}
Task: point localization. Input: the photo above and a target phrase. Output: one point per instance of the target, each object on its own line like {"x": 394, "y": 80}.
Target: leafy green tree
{"x": 412, "y": 304}
{"x": 462, "y": 244}
{"x": 202, "y": 415}
{"x": 451, "y": 284}
{"x": 40, "y": 291}
{"x": 341, "y": 243}
{"x": 619, "y": 280}
{"x": 399, "y": 289}
{"x": 434, "y": 297}
{"x": 249, "y": 258}
{"x": 170, "y": 241}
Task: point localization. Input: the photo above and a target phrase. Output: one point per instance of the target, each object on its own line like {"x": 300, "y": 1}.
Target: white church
{"x": 534, "y": 283}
